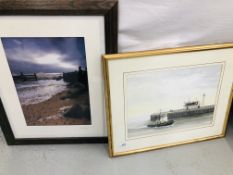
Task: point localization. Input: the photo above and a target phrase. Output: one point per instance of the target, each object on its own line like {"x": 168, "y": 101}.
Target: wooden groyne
{"x": 25, "y": 77}
{"x": 79, "y": 76}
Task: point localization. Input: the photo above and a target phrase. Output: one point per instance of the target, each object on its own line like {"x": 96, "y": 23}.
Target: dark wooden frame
{"x": 106, "y": 8}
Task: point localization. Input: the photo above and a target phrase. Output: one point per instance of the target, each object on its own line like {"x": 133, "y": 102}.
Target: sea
{"x": 179, "y": 125}
{"x": 33, "y": 92}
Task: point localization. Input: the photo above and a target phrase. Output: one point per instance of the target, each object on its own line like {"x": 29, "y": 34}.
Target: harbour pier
{"x": 180, "y": 113}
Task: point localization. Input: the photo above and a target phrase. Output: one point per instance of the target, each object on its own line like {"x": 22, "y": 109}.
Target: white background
{"x": 151, "y": 24}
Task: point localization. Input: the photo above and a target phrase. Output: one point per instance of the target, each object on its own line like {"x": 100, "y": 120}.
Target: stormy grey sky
{"x": 152, "y": 91}
{"x": 48, "y": 55}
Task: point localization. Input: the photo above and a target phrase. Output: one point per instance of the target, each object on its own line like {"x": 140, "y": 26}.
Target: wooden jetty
{"x": 25, "y": 77}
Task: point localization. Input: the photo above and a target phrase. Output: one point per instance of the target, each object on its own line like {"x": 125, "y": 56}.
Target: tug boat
{"x": 191, "y": 109}
{"x": 159, "y": 120}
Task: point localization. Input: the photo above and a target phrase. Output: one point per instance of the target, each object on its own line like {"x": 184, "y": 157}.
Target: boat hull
{"x": 167, "y": 123}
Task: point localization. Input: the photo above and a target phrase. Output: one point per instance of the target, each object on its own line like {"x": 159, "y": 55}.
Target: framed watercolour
{"x": 162, "y": 98}
{"x": 51, "y": 84}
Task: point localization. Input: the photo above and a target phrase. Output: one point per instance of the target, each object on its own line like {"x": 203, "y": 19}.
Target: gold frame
{"x": 106, "y": 58}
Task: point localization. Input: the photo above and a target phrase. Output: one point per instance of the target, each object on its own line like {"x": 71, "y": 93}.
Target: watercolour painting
{"x": 169, "y": 100}
{"x": 167, "y": 97}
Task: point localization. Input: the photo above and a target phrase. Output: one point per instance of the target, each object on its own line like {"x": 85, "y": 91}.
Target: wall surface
{"x": 152, "y": 24}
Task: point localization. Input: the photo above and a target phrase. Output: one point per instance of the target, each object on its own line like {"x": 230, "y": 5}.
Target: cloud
{"x": 149, "y": 92}
{"x": 66, "y": 54}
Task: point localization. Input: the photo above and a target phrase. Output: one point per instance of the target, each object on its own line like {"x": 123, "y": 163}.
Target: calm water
{"x": 178, "y": 125}
{"x": 32, "y": 92}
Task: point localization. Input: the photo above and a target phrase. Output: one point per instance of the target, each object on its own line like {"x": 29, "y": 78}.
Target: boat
{"x": 191, "y": 109}
{"x": 159, "y": 120}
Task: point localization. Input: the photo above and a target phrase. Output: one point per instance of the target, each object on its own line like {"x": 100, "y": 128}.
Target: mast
{"x": 203, "y": 99}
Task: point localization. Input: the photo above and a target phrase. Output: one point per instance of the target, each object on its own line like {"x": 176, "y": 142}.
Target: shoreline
{"x": 64, "y": 108}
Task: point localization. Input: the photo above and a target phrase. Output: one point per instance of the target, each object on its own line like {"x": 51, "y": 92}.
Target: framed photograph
{"x": 163, "y": 98}
{"x": 51, "y": 82}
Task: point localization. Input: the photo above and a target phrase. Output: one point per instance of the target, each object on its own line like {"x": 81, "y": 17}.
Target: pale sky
{"x": 152, "y": 91}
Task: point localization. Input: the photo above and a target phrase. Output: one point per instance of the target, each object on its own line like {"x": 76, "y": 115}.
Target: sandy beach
{"x": 69, "y": 107}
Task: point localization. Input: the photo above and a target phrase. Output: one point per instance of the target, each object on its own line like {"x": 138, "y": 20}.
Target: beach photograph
{"x": 170, "y": 100}
{"x": 51, "y": 80}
